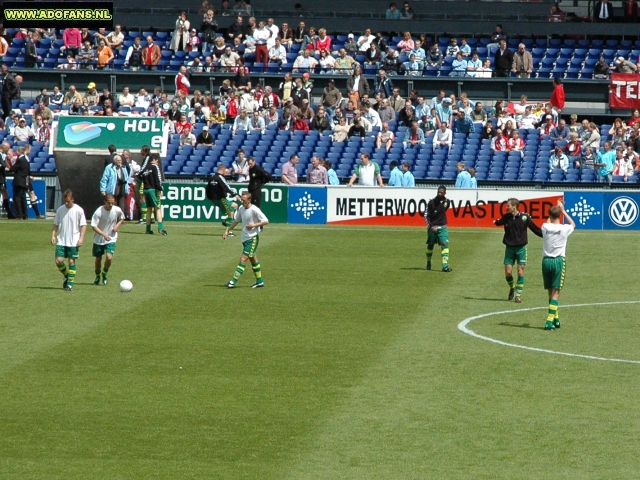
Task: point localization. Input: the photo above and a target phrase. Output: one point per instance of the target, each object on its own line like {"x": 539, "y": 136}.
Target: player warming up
{"x": 515, "y": 239}
{"x": 554, "y": 248}
{"x": 436, "y": 218}
{"x": 152, "y": 179}
{"x": 67, "y": 235}
{"x": 217, "y": 191}
{"x": 252, "y": 219}
{"x": 105, "y": 222}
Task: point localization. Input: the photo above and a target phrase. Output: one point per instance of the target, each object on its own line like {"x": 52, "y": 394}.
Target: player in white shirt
{"x": 105, "y": 222}
{"x": 67, "y": 235}
{"x": 252, "y": 220}
{"x": 554, "y": 248}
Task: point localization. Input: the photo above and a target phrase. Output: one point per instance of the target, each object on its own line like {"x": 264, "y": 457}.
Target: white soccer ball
{"x": 126, "y": 286}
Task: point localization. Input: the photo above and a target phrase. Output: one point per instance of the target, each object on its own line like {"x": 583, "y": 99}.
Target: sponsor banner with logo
{"x": 620, "y": 211}
{"x": 624, "y": 90}
{"x": 307, "y": 204}
{"x": 187, "y": 202}
{"x": 39, "y": 188}
{"x": 406, "y": 206}
{"x": 97, "y": 133}
{"x": 585, "y": 208}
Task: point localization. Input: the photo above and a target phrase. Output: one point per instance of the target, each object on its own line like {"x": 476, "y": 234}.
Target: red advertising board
{"x": 405, "y": 206}
{"x": 624, "y": 90}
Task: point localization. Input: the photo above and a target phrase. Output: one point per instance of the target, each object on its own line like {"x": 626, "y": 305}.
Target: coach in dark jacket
{"x": 21, "y": 171}
{"x": 503, "y": 60}
{"x": 258, "y": 176}
{"x": 10, "y": 89}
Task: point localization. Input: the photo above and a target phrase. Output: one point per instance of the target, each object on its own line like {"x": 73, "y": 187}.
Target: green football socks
{"x": 553, "y": 310}
{"x": 160, "y": 226}
{"x": 429, "y": 252}
{"x": 510, "y": 281}
{"x": 239, "y": 271}
{"x": 445, "y": 256}
{"x": 63, "y": 269}
{"x": 519, "y": 286}
{"x": 71, "y": 275}
{"x": 257, "y": 272}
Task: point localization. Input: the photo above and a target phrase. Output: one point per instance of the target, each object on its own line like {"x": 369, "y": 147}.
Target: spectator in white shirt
{"x": 371, "y": 115}
{"x": 242, "y": 122}
{"x": 364, "y": 41}
{"x": 527, "y": 119}
{"x": 273, "y": 28}
{"x": 187, "y": 138}
{"x": 143, "y": 99}
{"x": 257, "y": 122}
{"x": 125, "y": 99}
{"x": 277, "y": 53}
{"x": 442, "y": 137}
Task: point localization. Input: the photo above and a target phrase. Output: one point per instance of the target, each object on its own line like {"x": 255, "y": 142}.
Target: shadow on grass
{"x": 487, "y": 299}
{"x": 132, "y": 233}
{"x": 207, "y": 234}
{"x": 60, "y": 288}
{"x": 413, "y": 268}
{"x": 519, "y": 325}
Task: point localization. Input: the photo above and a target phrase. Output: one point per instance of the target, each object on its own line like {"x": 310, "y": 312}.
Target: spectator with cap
{"x": 350, "y": 46}
{"x": 91, "y": 98}
{"x": 625, "y": 66}
{"x": 331, "y": 98}
{"x": 205, "y": 138}
{"x": 522, "y": 64}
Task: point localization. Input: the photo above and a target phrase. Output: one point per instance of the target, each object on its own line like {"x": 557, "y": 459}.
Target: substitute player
{"x": 218, "y": 190}
{"x": 554, "y": 248}
{"x": 152, "y": 179}
{"x": 105, "y": 222}
{"x": 515, "y": 238}
{"x": 436, "y": 218}
{"x": 67, "y": 235}
{"x": 252, "y": 220}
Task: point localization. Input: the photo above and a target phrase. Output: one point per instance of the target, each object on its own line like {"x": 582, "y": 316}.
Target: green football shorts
{"x": 553, "y": 270}
{"x": 250, "y": 247}
{"x": 515, "y": 254}
{"x": 441, "y": 237}
{"x": 67, "y": 252}
{"x": 151, "y": 198}
{"x": 100, "y": 250}
{"x": 225, "y": 206}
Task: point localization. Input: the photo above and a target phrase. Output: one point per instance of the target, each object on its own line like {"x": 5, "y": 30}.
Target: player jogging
{"x": 436, "y": 219}
{"x": 217, "y": 191}
{"x": 105, "y": 222}
{"x": 252, "y": 219}
{"x": 152, "y": 179}
{"x": 67, "y": 235}
{"x": 515, "y": 238}
{"x": 554, "y": 248}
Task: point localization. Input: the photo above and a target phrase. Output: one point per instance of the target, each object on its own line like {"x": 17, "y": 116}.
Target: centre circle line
{"x": 462, "y": 326}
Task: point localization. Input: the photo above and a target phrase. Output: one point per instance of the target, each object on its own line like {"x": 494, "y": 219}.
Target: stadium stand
{"x": 570, "y": 57}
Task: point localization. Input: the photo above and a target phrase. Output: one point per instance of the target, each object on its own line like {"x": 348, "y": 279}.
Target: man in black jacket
{"x": 436, "y": 220}
{"x": 257, "y": 177}
{"x": 218, "y": 191}
{"x": 4, "y": 152}
{"x": 21, "y": 171}
{"x": 503, "y": 60}
{"x": 152, "y": 178}
{"x": 515, "y": 239}
{"x": 10, "y": 90}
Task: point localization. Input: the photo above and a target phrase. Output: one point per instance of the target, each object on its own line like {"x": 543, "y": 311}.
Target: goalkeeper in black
{"x": 218, "y": 191}
{"x": 515, "y": 238}
{"x": 436, "y": 219}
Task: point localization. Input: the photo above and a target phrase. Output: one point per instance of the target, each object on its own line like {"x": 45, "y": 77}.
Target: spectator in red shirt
{"x": 557, "y": 97}
{"x": 301, "y": 123}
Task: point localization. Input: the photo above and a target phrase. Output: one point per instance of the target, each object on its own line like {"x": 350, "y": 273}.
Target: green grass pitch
{"x": 348, "y": 365}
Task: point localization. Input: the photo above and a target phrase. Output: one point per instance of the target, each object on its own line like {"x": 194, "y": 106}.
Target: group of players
{"x": 70, "y": 224}
{"x": 554, "y": 235}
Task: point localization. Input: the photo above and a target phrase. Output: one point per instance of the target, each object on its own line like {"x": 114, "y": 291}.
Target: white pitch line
{"x": 462, "y": 326}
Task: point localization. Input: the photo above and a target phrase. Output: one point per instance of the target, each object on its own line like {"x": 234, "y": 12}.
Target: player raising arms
{"x": 436, "y": 218}
{"x": 217, "y": 191}
{"x": 515, "y": 238}
{"x": 105, "y": 222}
{"x": 554, "y": 248}
{"x": 252, "y": 219}
{"x": 67, "y": 235}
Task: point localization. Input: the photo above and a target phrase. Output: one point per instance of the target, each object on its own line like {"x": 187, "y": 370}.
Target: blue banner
{"x": 621, "y": 211}
{"x": 307, "y": 204}
{"x": 39, "y": 188}
{"x": 585, "y": 208}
